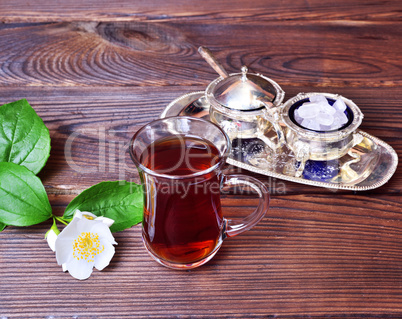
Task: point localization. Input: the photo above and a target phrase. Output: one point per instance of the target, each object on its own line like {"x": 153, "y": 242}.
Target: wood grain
{"x": 225, "y": 12}
{"x": 96, "y": 71}
{"x": 329, "y": 55}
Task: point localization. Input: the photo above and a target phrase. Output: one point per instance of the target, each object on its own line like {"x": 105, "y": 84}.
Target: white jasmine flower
{"x": 86, "y": 242}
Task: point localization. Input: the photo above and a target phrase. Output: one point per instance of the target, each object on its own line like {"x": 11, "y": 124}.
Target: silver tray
{"x": 367, "y": 165}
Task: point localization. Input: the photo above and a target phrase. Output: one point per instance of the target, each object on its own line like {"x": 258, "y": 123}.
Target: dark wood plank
{"x": 312, "y": 255}
{"x": 329, "y": 55}
{"x": 182, "y": 10}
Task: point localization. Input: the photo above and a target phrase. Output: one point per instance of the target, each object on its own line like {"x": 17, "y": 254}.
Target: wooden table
{"x": 96, "y": 71}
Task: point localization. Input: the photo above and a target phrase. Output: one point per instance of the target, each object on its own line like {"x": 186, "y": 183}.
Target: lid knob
{"x": 244, "y": 71}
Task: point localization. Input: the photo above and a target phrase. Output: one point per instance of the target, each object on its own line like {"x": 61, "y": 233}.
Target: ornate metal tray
{"x": 367, "y": 165}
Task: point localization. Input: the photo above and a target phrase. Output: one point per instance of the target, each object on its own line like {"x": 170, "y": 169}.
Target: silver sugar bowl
{"x": 318, "y": 145}
{"x": 246, "y": 105}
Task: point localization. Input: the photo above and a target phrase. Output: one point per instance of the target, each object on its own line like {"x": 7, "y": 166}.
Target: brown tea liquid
{"x": 182, "y": 218}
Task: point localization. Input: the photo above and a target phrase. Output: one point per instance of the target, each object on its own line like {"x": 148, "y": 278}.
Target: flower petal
{"x": 103, "y": 231}
{"x": 80, "y": 269}
{"x": 84, "y": 225}
{"x": 88, "y": 215}
{"x": 103, "y": 259}
{"x": 107, "y": 221}
{"x": 77, "y": 214}
{"x": 70, "y": 231}
{"x": 51, "y": 239}
{"x": 64, "y": 250}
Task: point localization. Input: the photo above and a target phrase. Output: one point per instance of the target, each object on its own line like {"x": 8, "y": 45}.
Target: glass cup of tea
{"x": 180, "y": 161}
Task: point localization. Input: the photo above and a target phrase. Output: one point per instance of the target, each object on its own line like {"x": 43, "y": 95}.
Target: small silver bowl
{"x": 308, "y": 144}
{"x": 246, "y": 105}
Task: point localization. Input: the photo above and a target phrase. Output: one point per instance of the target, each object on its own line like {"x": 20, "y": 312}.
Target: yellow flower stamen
{"x": 87, "y": 246}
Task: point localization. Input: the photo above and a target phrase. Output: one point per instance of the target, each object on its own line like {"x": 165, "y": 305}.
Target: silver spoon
{"x": 211, "y": 60}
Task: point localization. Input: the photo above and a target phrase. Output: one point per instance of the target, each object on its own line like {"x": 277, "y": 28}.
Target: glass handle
{"x": 237, "y": 226}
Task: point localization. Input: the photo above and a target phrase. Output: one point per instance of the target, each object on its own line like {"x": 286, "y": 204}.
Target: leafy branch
{"x": 24, "y": 150}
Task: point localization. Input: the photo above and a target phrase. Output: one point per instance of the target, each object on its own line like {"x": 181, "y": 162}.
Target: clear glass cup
{"x": 180, "y": 161}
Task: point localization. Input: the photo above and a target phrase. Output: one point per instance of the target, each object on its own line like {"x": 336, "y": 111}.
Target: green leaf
{"x": 24, "y": 138}
{"x": 23, "y": 199}
{"x": 120, "y": 201}
{"x": 2, "y": 226}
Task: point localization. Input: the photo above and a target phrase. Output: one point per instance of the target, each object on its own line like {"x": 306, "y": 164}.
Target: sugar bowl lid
{"x": 244, "y": 92}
